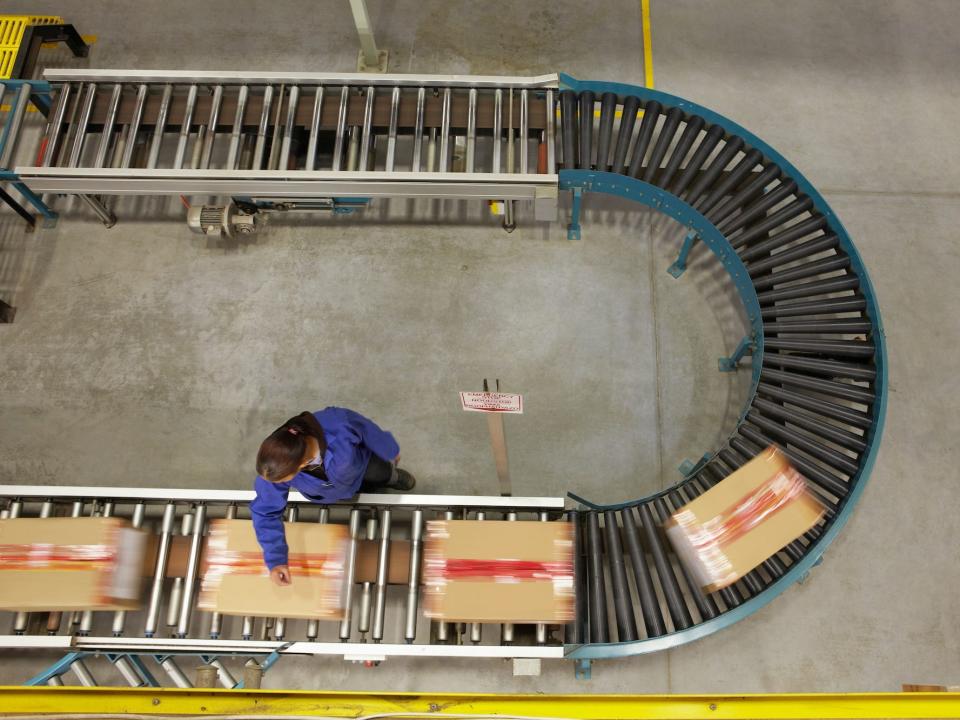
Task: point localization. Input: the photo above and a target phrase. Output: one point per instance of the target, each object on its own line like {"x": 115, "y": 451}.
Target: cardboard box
{"x": 59, "y": 564}
{"x": 236, "y": 582}
{"x": 499, "y": 571}
{"x": 743, "y": 520}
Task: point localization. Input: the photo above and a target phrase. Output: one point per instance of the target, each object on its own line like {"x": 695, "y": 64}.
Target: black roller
{"x": 785, "y": 214}
{"x": 687, "y": 137}
{"x": 813, "y": 472}
{"x": 649, "y": 605}
{"x": 756, "y": 186}
{"x": 817, "y": 307}
{"x": 668, "y": 580}
{"x": 599, "y": 632}
{"x": 841, "y": 326}
{"x": 758, "y": 208}
{"x": 836, "y": 348}
{"x": 712, "y": 138}
{"x": 586, "y": 130}
{"x": 623, "y": 607}
{"x": 827, "y": 368}
{"x": 608, "y": 110}
{"x": 805, "y": 440}
{"x": 710, "y": 174}
{"x": 797, "y": 252}
{"x": 667, "y": 133}
{"x": 731, "y": 180}
{"x": 810, "y": 289}
{"x": 577, "y": 628}
{"x": 856, "y": 418}
{"x": 812, "y": 422}
{"x": 817, "y": 267}
{"x": 651, "y": 113}
{"x": 628, "y": 119}
{"x": 784, "y": 237}
{"x": 568, "y": 128}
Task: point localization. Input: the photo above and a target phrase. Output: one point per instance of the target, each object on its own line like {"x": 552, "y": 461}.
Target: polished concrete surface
{"x": 144, "y": 355}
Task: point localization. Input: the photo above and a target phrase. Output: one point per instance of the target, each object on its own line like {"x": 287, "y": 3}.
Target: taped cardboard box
{"x": 61, "y": 564}
{"x": 499, "y": 571}
{"x": 236, "y": 582}
{"x": 743, "y": 520}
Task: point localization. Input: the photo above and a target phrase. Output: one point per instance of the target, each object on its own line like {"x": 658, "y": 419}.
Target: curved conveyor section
{"x": 819, "y": 390}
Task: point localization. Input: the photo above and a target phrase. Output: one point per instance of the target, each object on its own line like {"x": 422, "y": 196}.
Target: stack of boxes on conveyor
{"x": 484, "y": 572}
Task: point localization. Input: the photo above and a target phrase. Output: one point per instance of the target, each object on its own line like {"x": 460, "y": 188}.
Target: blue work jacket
{"x": 351, "y": 440}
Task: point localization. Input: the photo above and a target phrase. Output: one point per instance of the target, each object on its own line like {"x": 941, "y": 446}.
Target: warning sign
{"x": 492, "y": 402}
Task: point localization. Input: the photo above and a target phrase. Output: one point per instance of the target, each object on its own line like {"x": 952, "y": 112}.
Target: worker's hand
{"x": 280, "y": 575}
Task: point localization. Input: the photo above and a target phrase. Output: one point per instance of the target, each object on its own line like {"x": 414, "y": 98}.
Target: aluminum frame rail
{"x": 290, "y": 136}
{"x": 171, "y": 624}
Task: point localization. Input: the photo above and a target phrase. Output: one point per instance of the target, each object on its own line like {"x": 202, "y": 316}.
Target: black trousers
{"x": 379, "y": 474}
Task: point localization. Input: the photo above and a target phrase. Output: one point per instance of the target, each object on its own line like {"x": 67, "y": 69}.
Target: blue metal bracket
{"x": 573, "y": 229}
{"x": 267, "y": 663}
{"x": 689, "y": 467}
{"x": 680, "y": 264}
{"x": 729, "y": 364}
{"x": 49, "y": 216}
{"x": 582, "y": 669}
{"x": 57, "y": 669}
{"x": 147, "y": 676}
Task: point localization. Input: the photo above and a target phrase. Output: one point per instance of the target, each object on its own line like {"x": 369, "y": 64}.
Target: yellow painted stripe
{"x": 170, "y": 701}
{"x": 647, "y": 44}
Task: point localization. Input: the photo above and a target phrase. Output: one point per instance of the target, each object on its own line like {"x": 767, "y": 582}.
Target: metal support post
{"x": 370, "y": 58}
{"x": 729, "y": 364}
{"x": 573, "y": 229}
{"x": 680, "y": 264}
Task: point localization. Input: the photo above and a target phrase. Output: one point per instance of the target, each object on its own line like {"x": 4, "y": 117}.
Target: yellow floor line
{"x": 647, "y": 44}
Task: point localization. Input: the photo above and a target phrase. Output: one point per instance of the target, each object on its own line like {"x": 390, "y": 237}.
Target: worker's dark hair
{"x": 282, "y": 452}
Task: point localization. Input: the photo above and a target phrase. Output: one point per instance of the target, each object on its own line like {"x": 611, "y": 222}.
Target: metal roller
{"x": 724, "y": 209}
{"x": 383, "y": 568}
{"x": 551, "y": 133}
{"x": 216, "y": 619}
{"x": 312, "y": 141}
{"x": 811, "y": 421}
{"x": 134, "y": 128}
{"x": 824, "y": 387}
{"x": 160, "y": 570}
{"x": 341, "y": 135}
{"x": 810, "y": 289}
{"x": 236, "y": 134}
{"x": 185, "y": 128}
{"x": 159, "y": 127}
{"x": 476, "y": 629}
{"x": 599, "y": 632}
{"x": 667, "y": 133}
{"x": 710, "y": 173}
{"x": 788, "y": 212}
{"x": 413, "y": 576}
{"x": 193, "y": 567}
{"x": 497, "y": 130}
{"x": 712, "y": 138}
{"x": 365, "y": 611}
{"x": 350, "y": 575}
{"x": 622, "y": 605}
{"x": 293, "y": 102}
{"x": 835, "y": 348}
{"x": 690, "y": 133}
{"x": 260, "y": 146}
{"x": 506, "y": 629}
{"x": 844, "y": 414}
{"x": 106, "y": 136}
{"x": 805, "y": 440}
{"x": 731, "y": 180}
{"x": 215, "y": 103}
{"x": 568, "y": 128}
{"x": 757, "y": 209}
{"x": 541, "y": 628}
{"x": 524, "y": 131}
{"x": 56, "y": 131}
{"x": 821, "y": 327}
{"x": 11, "y": 133}
{"x": 799, "y": 272}
{"x": 366, "y": 142}
{"x": 313, "y": 626}
{"x": 280, "y": 624}
{"x": 796, "y": 252}
{"x": 649, "y": 604}
{"x": 587, "y": 99}
{"x": 83, "y": 122}
{"x": 392, "y": 130}
{"x": 816, "y": 307}
{"x": 668, "y": 580}
{"x": 628, "y": 118}
{"x": 445, "y": 133}
{"x": 813, "y": 472}
{"x": 827, "y": 368}
{"x": 651, "y": 114}
{"x": 418, "y": 130}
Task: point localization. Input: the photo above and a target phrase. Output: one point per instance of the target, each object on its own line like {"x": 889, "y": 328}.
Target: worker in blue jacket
{"x": 328, "y": 456}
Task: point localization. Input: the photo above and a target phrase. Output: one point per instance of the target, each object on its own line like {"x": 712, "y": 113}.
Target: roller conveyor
{"x": 817, "y": 344}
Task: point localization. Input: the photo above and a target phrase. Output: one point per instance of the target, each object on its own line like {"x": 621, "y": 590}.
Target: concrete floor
{"x": 148, "y": 356}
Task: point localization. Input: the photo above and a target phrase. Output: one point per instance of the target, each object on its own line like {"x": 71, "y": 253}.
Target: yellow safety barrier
{"x": 278, "y": 703}
{"x": 11, "y": 34}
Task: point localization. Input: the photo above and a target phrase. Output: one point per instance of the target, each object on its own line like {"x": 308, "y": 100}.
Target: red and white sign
{"x": 492, "y": 402}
